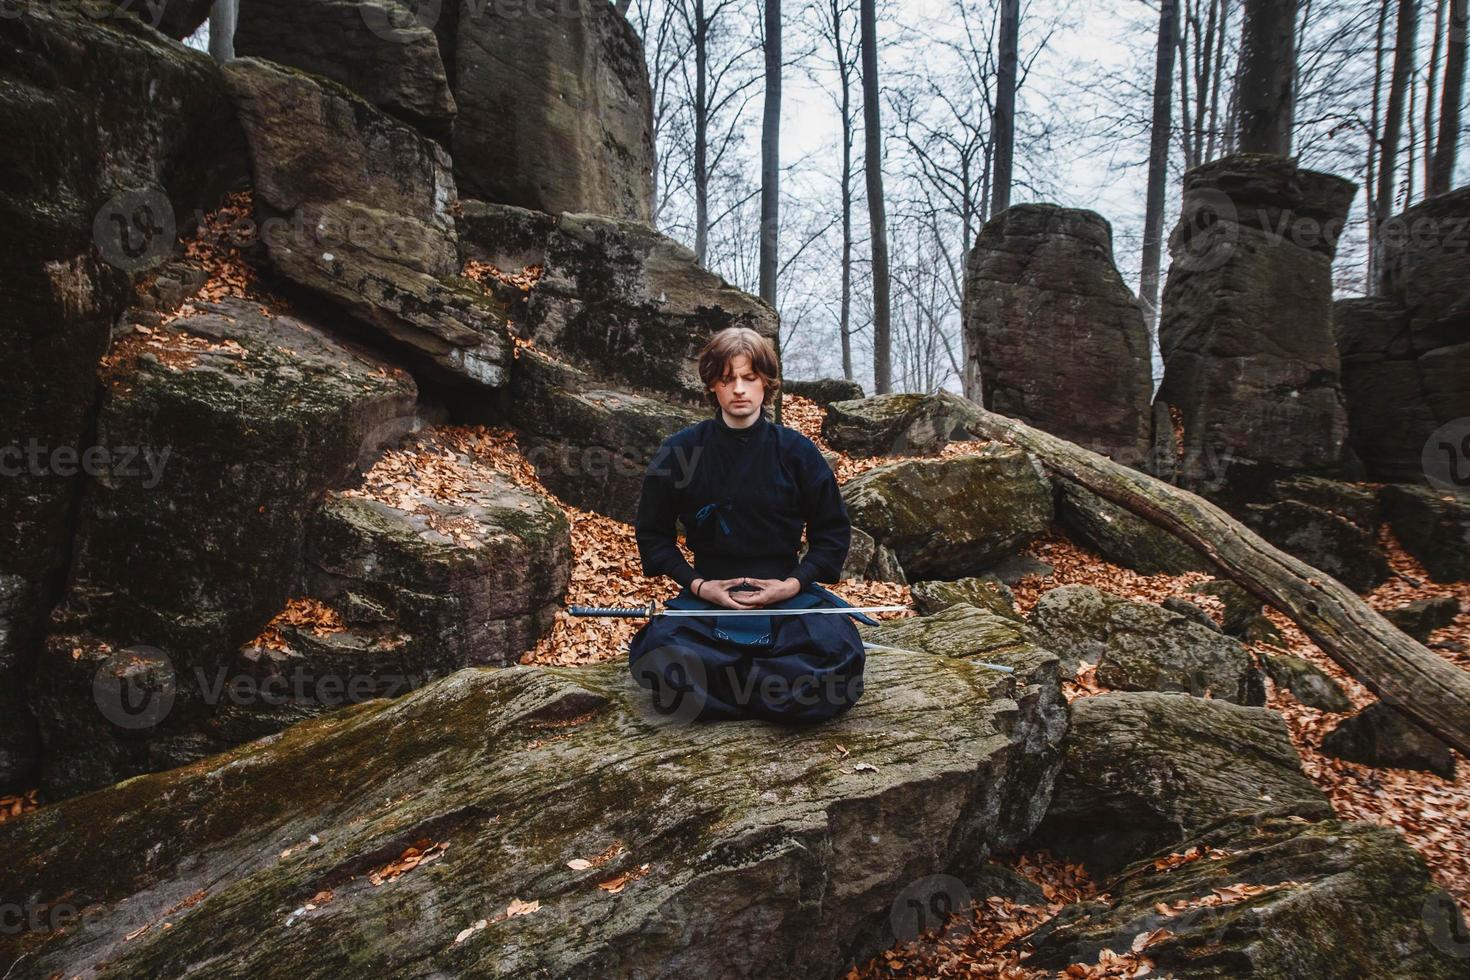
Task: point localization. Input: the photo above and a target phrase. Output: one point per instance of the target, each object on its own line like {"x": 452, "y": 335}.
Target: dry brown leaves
{"x": 20, "y": 803}
{"x": 484, "y": 272}
{"x": 425, "y": 851}
{"x": 302, "y": 613}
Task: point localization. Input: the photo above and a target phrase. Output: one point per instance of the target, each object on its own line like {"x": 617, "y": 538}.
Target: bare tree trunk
{"x": 1422, "y": 685}
{"x": 1370, "y": 187}
{"x": 623, "y": 6}
{"x": 1216, "y": 140}
{"x": 1393, "y": 124}
{"x": 1429, "y": 90}
{"x": 701, "y": 133}
{"x": 845, "y": 316}
{"x": 1411, "y": 147}
{"x": 1449, "y": 106}
{"x": 1158, "y": 160}
{"x": 1267, "y": 76}
{"x": 222, "y": 17}
{"x": 877, "y": 216}
{"x": 1005, "y": 105}
{"x": 1187, "y": 122}
{"x": 771, "y": 156}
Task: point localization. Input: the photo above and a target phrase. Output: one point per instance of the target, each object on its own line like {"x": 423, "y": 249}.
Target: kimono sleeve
{"x": 828, "y": 528}
{"x": 655, "y": 525}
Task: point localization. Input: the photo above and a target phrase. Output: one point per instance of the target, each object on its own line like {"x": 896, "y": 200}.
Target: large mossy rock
{"x": 176, "y": 18}
{"x": 116, "y": 137}
{"x": 735, "y": 849}
{"x": 984, "y": 592}
{"x": 374, "y": 47}
{"x": 1246, "y": 329}
{"x": 1303, "y": 900}
{"x": 967, "y": 632}
{"x": 1123, "y": 537}
{"x": 222, "y": 431}
{"x": 900, "y": 424}
{"x": 1433, "y": 525}
{"x": 1059, "y": 341}
{"x": 357, "y": 207}
{"x": 1329, "y": 524}
{"x": 823, "y": 391}
{"x": 949, "y": 518}
{"x": 416, "y": 583}
{"x": 1143, "y": 771}
{"x": 589, "y": 441}
{"x": 1139, "y": 646}
{"x": 555, "y": 109}
{"x": 612, "y": 297}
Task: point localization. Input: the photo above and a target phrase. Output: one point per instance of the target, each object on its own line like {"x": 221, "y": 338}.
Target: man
{"x": 744, "y": 488}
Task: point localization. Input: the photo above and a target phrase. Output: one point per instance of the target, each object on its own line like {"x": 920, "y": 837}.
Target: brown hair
{"x": 730, "y": 343}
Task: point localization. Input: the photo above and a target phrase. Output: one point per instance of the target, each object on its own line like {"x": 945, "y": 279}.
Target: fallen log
{"x": 1402, "y": 672}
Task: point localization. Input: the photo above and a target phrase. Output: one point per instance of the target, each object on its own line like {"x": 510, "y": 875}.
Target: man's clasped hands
{"x": 744, "y": 593}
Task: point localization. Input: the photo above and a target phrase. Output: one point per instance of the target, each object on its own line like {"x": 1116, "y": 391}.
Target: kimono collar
{"x": 755, "y": 428}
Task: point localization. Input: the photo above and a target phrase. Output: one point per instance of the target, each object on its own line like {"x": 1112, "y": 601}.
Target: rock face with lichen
{"x": 1041, "y": 278}
{"x": 555, "y": 109}
{"x": 356, "y": 207}
{"x": 897, "y": 424}
{"x": 952, "y": 517}
{"x": 232, "y": 426}
{"x": 374, "y": 47}
{"x": 1246, "y": 327}
{"x": 640, "y": 845}
{"x": 92, "y": 196}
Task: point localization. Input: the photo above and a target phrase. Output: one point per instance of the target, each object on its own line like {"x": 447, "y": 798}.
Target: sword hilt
{"x": 647, "y": 610}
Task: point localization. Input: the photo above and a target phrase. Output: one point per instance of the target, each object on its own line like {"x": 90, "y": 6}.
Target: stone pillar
{"x": 1250, "y": 365}
{"x": 1060, "y": 340}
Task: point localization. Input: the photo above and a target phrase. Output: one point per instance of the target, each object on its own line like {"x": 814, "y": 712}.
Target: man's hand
{"x": 767, "y": 591}
{"x": 717, "y": 590}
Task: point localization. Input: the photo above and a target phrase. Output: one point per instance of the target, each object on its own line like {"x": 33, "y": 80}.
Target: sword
{"x": 652, "y": 610}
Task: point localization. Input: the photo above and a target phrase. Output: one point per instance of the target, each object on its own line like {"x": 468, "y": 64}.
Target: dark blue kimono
{"x": 744, "y": 497}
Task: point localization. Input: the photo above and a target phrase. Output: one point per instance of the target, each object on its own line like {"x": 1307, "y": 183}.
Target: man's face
{"x": 741, "y": 391}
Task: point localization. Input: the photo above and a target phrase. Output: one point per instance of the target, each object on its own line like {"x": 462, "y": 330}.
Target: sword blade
{"x": 721, "y": 612}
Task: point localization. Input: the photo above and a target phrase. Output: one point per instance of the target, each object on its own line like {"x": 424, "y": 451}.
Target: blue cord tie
{"x": 703, "y": 514}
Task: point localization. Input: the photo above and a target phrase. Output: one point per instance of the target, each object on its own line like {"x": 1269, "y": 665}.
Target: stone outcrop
{"x": 984, "y": 592}
{"x": 176, "y": 18}
{"x": 356, "y": 207}
{"x": 1138, "y": 646}
{"x": 1270, "y": 896}
{"x": 1406, "y": 353}
{"x": 555, "y": 109}
{"x": 1246, "y": 332}
{"x": 375, "y": 47}
{"x": 1380, "y": 736}
{"x": 1422, "y": 617}
{"x": 554, "y": 824}
{"x": 1434, "y": 526}
{"x": 94, "y": 194}
{"x": 1307, "y": 682}
{"x": 611, "y": 297}
{"x": 1328, "y": 524}
{"x": 900, "y": 424}
{"x": 222, "y": 431}
{"x": 952, "y": 517}
{"x": 1142, "y": 772}
{"x": 1059, "y": 339}
{"x": 589, "y": 441}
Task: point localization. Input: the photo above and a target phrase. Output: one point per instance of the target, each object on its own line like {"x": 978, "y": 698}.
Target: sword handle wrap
{"x": 611, "y": 611}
